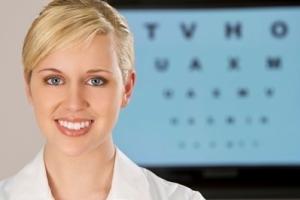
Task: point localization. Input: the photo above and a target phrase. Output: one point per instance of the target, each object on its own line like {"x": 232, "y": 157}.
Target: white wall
{"x": 20, "y": 138}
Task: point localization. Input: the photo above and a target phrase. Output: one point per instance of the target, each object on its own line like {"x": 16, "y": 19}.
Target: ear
{"x": 128, "y": 87}
{"x": 27, "y": 88}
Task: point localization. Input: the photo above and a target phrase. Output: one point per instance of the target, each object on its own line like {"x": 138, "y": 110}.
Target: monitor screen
{"x": 215, "y": 87}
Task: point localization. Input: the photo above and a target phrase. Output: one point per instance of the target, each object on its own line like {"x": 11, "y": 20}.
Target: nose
{"x": 75, "y": 98}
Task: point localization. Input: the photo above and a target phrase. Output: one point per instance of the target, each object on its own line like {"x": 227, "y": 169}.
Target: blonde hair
{"x": 69, "y": 22}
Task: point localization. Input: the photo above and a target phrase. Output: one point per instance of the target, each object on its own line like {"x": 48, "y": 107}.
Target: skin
{"x": 61, "y": 87}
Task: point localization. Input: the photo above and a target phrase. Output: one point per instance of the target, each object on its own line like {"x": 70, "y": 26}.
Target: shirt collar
{"x": 129, "y": 181}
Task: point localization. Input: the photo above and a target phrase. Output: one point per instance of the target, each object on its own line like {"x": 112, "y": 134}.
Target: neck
{"x": 81, "y": 176}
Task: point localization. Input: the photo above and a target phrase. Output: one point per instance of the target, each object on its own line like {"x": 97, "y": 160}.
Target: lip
{"x": 73, "y": 119}
{"x": 73, "y": 133}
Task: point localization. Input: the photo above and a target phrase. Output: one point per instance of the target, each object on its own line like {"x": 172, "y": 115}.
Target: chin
{"x": 71, "y": 148}
{"x": 76, "y": 145}
{"x": 74, "y": 151}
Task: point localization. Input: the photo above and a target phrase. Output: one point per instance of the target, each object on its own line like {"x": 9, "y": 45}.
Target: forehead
{"x": 98, "y": 51}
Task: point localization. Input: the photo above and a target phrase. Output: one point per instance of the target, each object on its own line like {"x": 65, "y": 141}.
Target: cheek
{"x": 44, "y": 101}
{"x": 106, "y": 101}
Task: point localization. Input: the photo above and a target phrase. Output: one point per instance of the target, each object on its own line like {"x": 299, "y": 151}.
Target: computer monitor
{"x": 217, "y": 90}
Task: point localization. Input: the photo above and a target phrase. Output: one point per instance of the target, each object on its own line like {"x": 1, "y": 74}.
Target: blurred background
{"x": 216, "y": 105}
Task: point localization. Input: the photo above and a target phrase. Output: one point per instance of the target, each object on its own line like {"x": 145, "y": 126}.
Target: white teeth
{"x": 82, "y": 125}
{"x": 77, "y": 126}
{"x": 74, "y": 125}
{"x": 69, "y": 125}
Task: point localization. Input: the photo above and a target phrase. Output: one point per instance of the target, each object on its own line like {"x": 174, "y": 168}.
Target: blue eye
{"x": 96, "y": 81}
{"x": 54, "y": 81}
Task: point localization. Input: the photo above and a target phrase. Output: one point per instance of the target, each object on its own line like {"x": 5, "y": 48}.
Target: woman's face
{"x": 77, "y": 94}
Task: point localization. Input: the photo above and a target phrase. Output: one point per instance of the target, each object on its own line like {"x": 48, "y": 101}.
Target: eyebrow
{"x": 91, "y": 71}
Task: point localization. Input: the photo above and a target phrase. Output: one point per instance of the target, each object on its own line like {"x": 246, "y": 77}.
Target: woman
{"x": 78, "y": 62}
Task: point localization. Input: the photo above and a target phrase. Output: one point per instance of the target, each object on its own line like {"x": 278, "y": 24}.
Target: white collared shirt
{"x": 130, "y": 182}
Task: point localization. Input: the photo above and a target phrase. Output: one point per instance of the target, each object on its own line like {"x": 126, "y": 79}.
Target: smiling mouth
{"x": 74, "y": 128}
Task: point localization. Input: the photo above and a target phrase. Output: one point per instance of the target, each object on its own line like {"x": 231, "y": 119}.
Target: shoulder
{"x": 131, "y": 181}
{"x": 164, "y": 189}
{"x": 12, "y": 185}
{"x": 2, "y": 188}
{"x": 28, "y": 183}
{"x": 5, "y": 185}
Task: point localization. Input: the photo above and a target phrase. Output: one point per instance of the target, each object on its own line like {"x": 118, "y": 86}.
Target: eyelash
{"x": 49, "y": 78}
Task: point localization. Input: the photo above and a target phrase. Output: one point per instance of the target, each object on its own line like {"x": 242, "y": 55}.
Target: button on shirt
{"x": 130, "y": 182}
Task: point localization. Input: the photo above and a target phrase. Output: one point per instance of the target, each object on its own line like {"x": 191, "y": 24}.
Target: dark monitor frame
{"x": 227, "y": 181}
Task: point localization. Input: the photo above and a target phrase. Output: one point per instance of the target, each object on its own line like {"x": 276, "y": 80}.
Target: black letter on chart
{"x": 188, "y": 31}
{"x": 233, "y": 29}
{"x": 195, "y": 65}
{"x": 233, "y": 63}
{"x": 274, "y": 63}
{"x": 151, "y": 29}
{"x": 161, "y": 64}
{"x": 279, "y": 29}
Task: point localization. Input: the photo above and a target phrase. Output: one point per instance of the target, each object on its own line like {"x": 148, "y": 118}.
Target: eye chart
{"x": 214, "y": 87}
